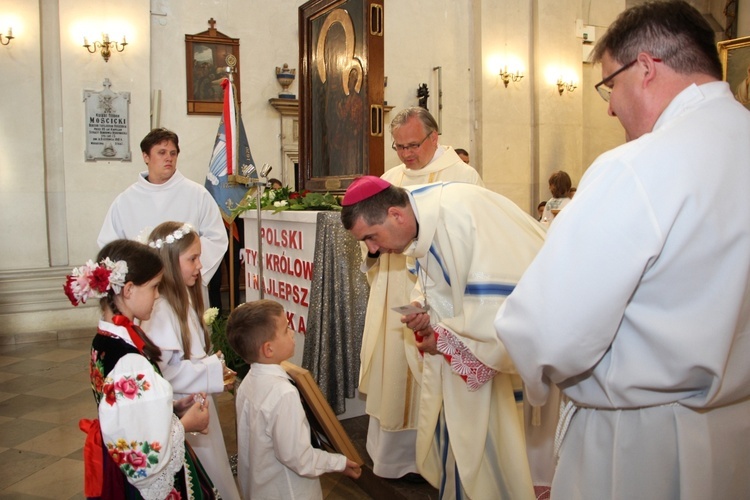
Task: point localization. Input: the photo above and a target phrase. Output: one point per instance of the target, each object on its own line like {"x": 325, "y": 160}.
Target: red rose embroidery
{"x": 156, "y": 446}
{"x": 109, "y": 393}
{"x": 128, "y": 387}
{"x": 118, "y": 456}
{"x": 137, "y": 459}
{"x": 97, "y": 380}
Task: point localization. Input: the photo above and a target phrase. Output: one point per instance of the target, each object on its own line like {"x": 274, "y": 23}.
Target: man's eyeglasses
{"x": 604, "y": 90}
{"x": 408, "y": 148}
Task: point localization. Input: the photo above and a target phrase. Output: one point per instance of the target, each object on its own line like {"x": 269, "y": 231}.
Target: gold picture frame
{"x": 326, "y": 428}
{"x": 341, "y": 83}
{"x": 735, "y": 61}
{"x": 208, "y": 54}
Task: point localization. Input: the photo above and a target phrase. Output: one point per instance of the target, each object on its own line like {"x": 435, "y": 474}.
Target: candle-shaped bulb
{"x": 123, "y": 40}
{"x": 85, "y": 42}
{"x": 105, "y": 37}
{"x": 10, "y": 31}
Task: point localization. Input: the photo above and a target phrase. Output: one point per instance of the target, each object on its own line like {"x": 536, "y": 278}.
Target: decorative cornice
{"x": 287, "y": 107}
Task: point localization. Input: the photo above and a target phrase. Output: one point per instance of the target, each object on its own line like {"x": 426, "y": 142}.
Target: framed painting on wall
{"x": 341, "y": 93}
{"x": 208, "y": 55}
{"x": 735, "y": 60}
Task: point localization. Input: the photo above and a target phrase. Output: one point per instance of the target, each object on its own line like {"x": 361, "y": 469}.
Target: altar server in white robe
{"x": 471, "y": 246}
{"x": 391, "y": 366}
{"x": 651, "y": 338}
{"x": 162, "y": 193}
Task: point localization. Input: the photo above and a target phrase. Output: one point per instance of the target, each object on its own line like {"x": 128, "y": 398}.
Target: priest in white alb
{"x": 391, "y": 366}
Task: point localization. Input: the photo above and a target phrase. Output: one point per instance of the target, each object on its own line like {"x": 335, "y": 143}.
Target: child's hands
{"x": 195, "y": 418}
{"x": 353, "y": 470}
{"x": 228, "y": 374}
{"x": 182, "y": 405}
{"x": 229, "y": 377}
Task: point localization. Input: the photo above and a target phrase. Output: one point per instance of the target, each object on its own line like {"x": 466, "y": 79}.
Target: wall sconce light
{"x": 105, "y": 45}
{"x": 562, "y": 86}
{"x": 8, "y": 37}
{"x": 508, "y": 77}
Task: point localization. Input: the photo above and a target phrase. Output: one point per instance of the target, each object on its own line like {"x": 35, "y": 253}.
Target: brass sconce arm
{"x": 8, "y": 37}
{"x": 105, "y": 46}
{"x": 508, "y": 77}
{"x": 562, "y": 86}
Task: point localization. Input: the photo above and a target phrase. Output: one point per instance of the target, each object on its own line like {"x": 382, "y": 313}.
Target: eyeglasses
{"x": 604, "y": 90}
{"x": 409, "y": 147}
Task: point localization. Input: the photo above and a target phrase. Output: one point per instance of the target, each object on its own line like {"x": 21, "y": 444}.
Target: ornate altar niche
{"x": 341, "y": 92}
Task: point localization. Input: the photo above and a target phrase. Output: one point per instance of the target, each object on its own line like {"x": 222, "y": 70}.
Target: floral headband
{"x": 178, "y": 234}
{"x": 95, "y": 280}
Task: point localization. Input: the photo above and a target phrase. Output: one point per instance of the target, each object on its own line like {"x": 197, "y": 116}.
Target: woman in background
{"x": 559, "y": 186}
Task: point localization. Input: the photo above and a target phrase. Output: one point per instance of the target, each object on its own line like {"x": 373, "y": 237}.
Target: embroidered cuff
{"x": 461, "y": 359}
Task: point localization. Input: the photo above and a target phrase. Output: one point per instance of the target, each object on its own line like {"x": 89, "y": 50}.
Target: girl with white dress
{"x": 177, "y": 327}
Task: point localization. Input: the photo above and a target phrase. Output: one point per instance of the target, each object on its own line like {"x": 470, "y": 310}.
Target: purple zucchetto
{"x": 362, "y": 188}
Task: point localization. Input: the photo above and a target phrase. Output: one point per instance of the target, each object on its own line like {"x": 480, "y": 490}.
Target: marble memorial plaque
{"x": 107, "y": 124}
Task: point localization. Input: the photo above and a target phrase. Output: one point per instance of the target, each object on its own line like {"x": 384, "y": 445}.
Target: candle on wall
{"x": 85, "y": 42}
{"x": 105, "y": 36}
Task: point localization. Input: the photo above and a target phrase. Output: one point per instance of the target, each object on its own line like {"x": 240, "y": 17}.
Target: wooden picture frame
{"x": 323, "y": 422}
{"x": 207, "y": 56}
{"x": 735, "y": 61}
{"x": 341, "y": 93}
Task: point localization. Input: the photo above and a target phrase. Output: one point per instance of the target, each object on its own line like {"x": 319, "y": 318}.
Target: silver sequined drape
{"x": 336, "y": 317}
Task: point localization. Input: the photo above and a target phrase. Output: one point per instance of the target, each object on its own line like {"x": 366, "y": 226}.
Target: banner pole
{"x": 262, "y": 181}
{"x": 230, "y": 69}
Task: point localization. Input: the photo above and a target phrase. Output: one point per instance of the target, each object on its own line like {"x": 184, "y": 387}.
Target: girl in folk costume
{"x": 137, "y": 448}
{"x": 178, "y": 328}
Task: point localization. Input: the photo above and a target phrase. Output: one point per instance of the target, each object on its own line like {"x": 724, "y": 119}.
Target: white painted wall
{"x": 22, "y": 201}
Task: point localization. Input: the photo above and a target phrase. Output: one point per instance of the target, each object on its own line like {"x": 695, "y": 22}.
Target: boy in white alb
{"x": 276, "y": 459}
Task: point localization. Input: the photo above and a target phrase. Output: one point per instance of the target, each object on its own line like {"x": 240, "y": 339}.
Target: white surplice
{"x": 146, "y": 205}
{"x": 645, "y": 322}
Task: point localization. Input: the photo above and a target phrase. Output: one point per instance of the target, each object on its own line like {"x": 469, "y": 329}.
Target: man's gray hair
{"x": 424, "y": 116}
{"x": 673, "y": 31}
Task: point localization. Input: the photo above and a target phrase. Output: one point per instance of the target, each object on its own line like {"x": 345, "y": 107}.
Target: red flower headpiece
{"x": 95, "y": 280}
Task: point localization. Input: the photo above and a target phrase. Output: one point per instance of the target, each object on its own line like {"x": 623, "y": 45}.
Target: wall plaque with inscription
{"x": 107, "y": 124}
